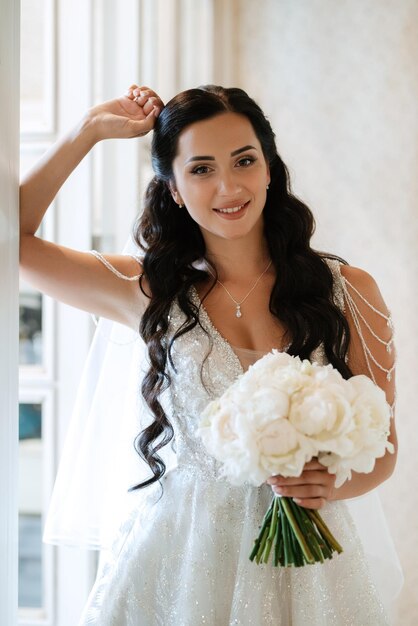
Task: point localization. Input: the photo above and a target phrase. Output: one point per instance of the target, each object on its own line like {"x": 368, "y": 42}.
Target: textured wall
{"x": 339, "y": 83}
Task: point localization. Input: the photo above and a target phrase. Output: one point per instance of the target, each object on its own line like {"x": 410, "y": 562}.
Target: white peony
{"x": 284, "y": 411}
{"x": 322, "y": 411}
{"x": 369, "y": 433}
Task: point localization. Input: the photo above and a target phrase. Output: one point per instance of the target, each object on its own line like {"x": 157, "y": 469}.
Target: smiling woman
{"x": 228, "y": 186}
{"x": 223, "y": 268}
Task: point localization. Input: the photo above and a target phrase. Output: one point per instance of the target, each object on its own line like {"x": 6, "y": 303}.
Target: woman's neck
{"x": 235, "y": 260}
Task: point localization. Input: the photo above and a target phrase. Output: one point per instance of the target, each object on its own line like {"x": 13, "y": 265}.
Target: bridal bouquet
{"x": 276, "y": 417}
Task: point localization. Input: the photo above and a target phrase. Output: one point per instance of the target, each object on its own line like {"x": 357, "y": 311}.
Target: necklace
{"x": 238, "y": 312}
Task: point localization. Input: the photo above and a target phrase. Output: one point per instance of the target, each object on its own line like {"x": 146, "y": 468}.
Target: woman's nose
{"x": 228, "y": 184}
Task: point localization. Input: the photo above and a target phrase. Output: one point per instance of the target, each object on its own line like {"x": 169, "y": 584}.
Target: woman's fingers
{"x": 142, "y": 127}
{"x": 311, "y": 503}
{"x": 307, "y": 477}
{"x": 308, "y": 496}
{"x": 149, "y": 105}
{"x": 303, "y": 491}
{"x": 313, "y": 472}
{"x": 144, "y": 97}
{"x": 131, "y": 115}
{"x": 311, "y": 489}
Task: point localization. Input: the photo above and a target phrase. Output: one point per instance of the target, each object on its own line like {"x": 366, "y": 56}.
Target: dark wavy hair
{"x": 302, "y": 296}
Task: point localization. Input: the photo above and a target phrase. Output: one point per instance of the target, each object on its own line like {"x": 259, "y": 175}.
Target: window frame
{"x": 36, "y": 616}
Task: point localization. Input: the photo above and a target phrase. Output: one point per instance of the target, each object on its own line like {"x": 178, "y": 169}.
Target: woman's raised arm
{"x": 74, "y": 277}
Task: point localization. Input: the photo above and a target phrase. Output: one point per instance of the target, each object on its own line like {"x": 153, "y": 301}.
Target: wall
{"x": 339, "y": 84}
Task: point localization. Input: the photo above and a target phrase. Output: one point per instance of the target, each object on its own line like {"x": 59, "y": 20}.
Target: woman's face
{"x": 221, "y": 176}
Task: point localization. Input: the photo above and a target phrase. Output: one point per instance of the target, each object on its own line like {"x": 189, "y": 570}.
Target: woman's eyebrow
{"x": 211, "y": 158}
{"x": 235, "y": 152}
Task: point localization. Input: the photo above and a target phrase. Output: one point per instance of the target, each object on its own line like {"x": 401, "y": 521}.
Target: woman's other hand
{"x": 131, "y": 115}
{"x": 312, "y": 489}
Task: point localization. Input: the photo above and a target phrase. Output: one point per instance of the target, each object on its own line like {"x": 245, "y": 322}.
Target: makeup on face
{"x": 221, "y": 175}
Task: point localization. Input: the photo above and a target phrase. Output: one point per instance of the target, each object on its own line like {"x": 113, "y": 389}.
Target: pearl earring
{"x": 181, "y": 205}
{"x": 268, "y": 187}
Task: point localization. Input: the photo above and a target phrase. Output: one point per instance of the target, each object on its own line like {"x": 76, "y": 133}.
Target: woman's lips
{"x": 232, "y": 213}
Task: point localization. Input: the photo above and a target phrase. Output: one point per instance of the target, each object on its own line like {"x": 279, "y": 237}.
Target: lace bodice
{"x": 205, "y": 365}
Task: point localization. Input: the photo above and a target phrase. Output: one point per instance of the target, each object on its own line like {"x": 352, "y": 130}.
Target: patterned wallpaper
{"x": 339, "y": 83}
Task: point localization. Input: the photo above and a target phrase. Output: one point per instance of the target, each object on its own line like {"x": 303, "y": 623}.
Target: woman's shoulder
{"x": 350, "y": 275}
{"x": 363, "y": 285}
{"x": 357, "y": 275}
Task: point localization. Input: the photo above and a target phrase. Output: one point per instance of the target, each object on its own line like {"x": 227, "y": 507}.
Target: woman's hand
{"x": 312, "y": 489}
{"x": 131, "y": 115}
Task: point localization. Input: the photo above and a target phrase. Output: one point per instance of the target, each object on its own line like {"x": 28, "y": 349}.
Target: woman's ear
{"x": 268, "y": 180}
{"x": 174, "y": 193}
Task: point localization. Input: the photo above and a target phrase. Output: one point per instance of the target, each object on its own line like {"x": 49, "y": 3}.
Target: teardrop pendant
{"x": 238, "y": 311}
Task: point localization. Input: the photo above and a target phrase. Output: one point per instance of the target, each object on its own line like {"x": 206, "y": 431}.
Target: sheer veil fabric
{"x": 99, "y": 463}
{"x": 90, "y": 500}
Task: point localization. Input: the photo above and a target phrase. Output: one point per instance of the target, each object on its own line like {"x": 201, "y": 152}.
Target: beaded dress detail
{"x": 182, "y": 558}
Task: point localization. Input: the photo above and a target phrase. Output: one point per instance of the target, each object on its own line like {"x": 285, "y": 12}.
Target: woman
{"x": 227, "y": 274}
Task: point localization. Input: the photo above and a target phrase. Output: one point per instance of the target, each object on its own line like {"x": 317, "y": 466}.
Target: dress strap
{"x": 348, "y": 297}
{"x": 338, "y": 292}
{"x": 113, "y": 269}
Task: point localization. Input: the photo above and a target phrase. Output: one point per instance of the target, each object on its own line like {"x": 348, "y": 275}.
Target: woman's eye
{"x": 200, "y": 169}
{"x": 246, "y": 161}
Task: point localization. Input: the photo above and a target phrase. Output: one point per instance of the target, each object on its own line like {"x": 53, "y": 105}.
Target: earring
{"x": 181, "y": 206}
{"x": 268, "y": 187}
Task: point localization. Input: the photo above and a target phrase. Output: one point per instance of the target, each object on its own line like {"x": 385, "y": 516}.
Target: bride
{"x": 223, "y": 272}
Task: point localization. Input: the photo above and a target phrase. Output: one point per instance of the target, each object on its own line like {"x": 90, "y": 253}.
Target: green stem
{"x": 272, "y": 531}
{"x": 262, "y": 544}
{"x": 299, "y": 535}
{"x": 325, "y": 531}
{"x": 274, "y": 519}
{"x": 286, "y": 539}
{"x": 297, "y": 531}
{"x": 309, "y": 531}
{"x": 267, "y": 550}
{"x": 297, "y": 551}
{"x": 279, "y": 541}
{"x": 265, "y": 523}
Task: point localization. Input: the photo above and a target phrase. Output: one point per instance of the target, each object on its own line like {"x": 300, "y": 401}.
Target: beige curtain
{"x": 340, "y": 85}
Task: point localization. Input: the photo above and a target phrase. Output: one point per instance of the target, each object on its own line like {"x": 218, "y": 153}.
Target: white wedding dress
{"x": 182, "y": 558}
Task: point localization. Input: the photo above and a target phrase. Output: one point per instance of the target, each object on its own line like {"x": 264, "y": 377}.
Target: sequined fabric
{"x": 181, "y": 558}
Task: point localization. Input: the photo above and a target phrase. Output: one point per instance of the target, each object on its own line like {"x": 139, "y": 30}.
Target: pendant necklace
{"x": 238, "y": 312}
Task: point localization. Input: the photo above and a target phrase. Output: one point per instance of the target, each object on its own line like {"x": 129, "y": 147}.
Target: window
{"x": 96, "y": 49}
{"x": 32, "y": 468}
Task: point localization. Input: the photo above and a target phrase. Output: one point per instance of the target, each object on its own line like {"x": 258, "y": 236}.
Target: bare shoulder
{"x": 357, "y": 276}
{"x": 361, "y": 283}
